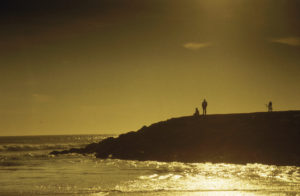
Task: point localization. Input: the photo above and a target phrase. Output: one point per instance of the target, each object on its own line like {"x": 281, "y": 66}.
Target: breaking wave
{"x": 44, "y": 143}
{"x": 34, "y": 147}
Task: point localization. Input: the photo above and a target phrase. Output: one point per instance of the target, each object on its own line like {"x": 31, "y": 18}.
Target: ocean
{"x": 26, "y": 168}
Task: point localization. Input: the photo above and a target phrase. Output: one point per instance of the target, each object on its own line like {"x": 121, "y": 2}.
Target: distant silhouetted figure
{"x": 196, "y": 114}
{"x": 270, "y": 107}
{"x": 204, "y": 106}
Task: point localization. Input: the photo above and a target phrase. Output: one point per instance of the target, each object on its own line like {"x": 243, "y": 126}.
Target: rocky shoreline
{"x": 268, "y": 138}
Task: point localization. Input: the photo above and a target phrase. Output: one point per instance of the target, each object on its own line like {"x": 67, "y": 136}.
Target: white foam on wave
{"x": 34, "y": 147}
{"x": 177, "y": 176}
{"x": 65, "y": 174}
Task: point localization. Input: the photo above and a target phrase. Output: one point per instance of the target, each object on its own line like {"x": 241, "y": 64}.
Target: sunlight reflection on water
{"x": 217, "y": 179}
{"x": 29, "y": 170}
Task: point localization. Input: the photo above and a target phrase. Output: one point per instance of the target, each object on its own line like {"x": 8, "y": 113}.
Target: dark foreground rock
{"x": 268, "y": 138}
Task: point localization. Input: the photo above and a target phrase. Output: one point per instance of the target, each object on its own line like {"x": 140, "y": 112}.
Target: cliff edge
{"x": 268, "y": 138}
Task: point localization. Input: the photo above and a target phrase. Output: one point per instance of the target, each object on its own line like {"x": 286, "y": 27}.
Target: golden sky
{"x": 111, "y": 66}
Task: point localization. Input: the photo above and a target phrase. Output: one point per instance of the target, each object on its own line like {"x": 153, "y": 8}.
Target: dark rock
{"x": 269, "y": 138}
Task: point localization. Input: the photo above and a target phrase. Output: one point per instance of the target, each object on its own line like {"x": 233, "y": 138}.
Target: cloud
{"x": 196, "y": 45}
{"x": 41, "y": 98}
{"x": 291, "y": 41}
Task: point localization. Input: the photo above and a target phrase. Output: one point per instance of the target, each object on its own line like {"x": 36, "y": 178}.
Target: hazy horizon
{"x": 115, "y": 132}
{"x": 84, "y": 67}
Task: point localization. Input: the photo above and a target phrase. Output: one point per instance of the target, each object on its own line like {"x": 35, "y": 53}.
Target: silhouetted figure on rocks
{"x": 270, "y": 107}
{"x": 196, "y": 114}
{"x": 204, "y": 106}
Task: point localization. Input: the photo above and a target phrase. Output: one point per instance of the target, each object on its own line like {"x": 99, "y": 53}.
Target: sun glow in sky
{"x": 110, "y": 66}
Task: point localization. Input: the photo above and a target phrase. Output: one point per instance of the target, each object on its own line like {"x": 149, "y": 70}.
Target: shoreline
{"x": 261, "y": 137}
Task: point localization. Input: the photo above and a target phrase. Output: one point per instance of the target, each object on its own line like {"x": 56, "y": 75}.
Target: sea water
{"x": 26, "y": 168}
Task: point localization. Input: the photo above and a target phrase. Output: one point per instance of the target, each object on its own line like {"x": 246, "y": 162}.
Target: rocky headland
{"x": 265, "y": 137}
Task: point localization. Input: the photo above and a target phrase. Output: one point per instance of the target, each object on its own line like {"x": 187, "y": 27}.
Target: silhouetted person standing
{"x": 270, "y": 107}
{"x": 204, "y": 106}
